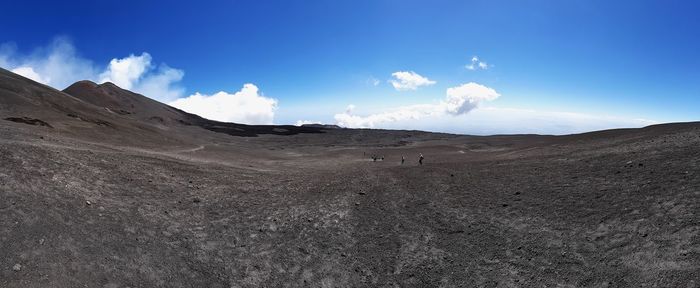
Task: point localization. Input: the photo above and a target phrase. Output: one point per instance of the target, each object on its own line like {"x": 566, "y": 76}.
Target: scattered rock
{"x": 357, "y": 203}
{"x": 505, "y": 205}
{"x": 17, "y": 267}
{"x": 41, "y": 241}
{"x": 362, "y": 192}
{"x": 517, "y": 193}
{"x": 196, "y": 200}
{"x": 30, "y": 121}
{"x": 87, "y": 202}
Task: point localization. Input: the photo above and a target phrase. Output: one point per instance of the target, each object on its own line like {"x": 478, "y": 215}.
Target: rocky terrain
{"x": 101, "y": 187}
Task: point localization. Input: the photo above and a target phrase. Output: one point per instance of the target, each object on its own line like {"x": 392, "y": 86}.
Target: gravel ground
{"x": 101, "y": 187}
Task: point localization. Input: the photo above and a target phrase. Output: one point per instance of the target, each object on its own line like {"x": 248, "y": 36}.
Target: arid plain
{"x": 101, "y": 187}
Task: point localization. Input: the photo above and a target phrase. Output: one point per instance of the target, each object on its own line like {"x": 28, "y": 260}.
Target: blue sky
{"x": 557, "y": 66}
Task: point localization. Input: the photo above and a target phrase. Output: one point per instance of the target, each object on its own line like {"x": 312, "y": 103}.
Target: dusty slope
{"x": 604, "y": 209}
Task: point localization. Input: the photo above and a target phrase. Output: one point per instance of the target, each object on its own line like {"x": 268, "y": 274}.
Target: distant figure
{"x": 374, "y": 158}
{"x": 402, "y": 159}
{"x": 420, "y": 159}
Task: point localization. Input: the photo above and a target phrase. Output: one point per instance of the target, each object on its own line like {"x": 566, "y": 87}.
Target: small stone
{"x": 362, "y": 193}
{"x": 357, "y": 203}
{"x": 41, "y": 241}
{"x": 88, "y": 203}
{"x": 17, "y": 267}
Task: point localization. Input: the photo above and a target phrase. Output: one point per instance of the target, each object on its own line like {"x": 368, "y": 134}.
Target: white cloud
{"x": 477, "y": 64}
{"x": 302, "y": 122}
{"x": 459, "y": 100}
{"x": 464, "y": 98}
{"x": 58, "y": 65}
{"x": 126, "y": 71}
{"x": 245, "y": 106}
{"x": 30, "y": 73}
{"x": 136, "y": 73}
{"x": 163, "y": 83}
{"x": 409, "y": 80}
{"x": 414, "y": 112}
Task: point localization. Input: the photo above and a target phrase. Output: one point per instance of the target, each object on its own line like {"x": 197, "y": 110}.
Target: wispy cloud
{"x": 409, "y": 80}
{"x": 476, "y": 63}
{"x": 373, "y": 81}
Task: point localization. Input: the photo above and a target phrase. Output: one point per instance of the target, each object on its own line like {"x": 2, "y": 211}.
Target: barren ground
{"x": 127, "y": 192}
{"x": 314, "y": 210}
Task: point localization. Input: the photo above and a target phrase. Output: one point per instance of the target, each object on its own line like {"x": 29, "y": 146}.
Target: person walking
{"x": 402, "y": 159}
{"x": 420, "y": 159}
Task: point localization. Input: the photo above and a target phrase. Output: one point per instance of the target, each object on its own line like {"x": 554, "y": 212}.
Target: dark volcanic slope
{"x": 136, "y": 106}
{"x": 86, "y": 205}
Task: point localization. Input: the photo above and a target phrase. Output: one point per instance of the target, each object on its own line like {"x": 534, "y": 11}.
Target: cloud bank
{"x": 409, "y": 80}
{"x": 497, "y": 120}
{"x": 245, "y": 106}
{"x": 458, "y": 101}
